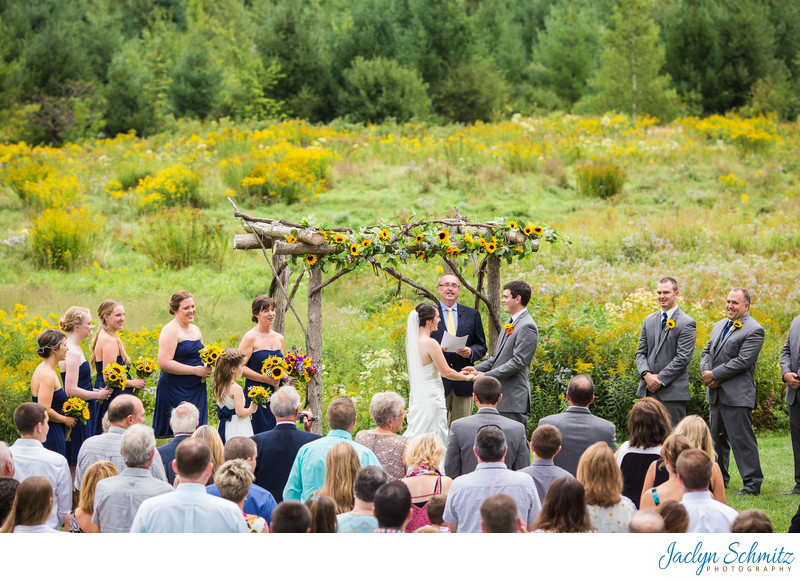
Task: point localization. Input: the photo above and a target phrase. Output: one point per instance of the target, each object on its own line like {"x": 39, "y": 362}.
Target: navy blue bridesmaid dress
{"x": 173, "y": 389}
{"x": 81, "y": 432}
{"x": 57, "y": 436}
{"x": 99, "y": 384}
{"x": 263, "y": 419}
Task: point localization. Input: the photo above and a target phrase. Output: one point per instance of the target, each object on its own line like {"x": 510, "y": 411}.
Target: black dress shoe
{"x": 795, "y": 491}
{"x": 748, "y": 492}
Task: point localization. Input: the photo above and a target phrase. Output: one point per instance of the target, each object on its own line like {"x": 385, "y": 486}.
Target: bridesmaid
{"x": 106, "y": 348}
{"x": 47, "y": 391}
{"x": 257, "y": 345}
{"x": 182, "y": 371}
{"x": 77, "y": 376}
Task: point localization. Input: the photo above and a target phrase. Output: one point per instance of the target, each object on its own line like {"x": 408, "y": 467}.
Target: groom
{"x": 511, "y": 361}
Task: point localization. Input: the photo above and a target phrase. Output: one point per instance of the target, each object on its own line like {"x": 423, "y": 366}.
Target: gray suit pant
{"x": 794, "y": 429}
{"x": 675, "y": 408}
{"x": 732, "y": 427}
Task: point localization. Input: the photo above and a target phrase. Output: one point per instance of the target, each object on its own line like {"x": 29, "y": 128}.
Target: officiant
{"x": 458, "y": 320}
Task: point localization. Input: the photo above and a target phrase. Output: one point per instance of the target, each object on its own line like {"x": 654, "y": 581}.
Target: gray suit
{"x": 580, "y": 429}
{"x": 667, "y": 353}
{"x": 460, "y": 458}
{"x": 790, "y": 362}
{"x": 732, "y": 362}
{"x": 511, "y": 364}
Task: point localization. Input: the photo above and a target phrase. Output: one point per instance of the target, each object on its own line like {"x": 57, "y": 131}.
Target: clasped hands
{"x": 470, "y": 372}
{"x": 708, "y": 379}
{"x": 652, "y": 382}
{"x": 792, "y": 379}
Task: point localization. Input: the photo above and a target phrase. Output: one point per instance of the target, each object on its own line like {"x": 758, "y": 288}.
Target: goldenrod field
{"x": 712, "y": 202}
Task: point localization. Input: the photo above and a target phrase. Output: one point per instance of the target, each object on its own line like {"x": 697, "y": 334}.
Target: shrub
{"x": 179, "y": 238}
{"x": 600, "y": 179}
{"x": 63, "y": 238}
{"x": 52, "y": 191}
{"x": 377, "y": 89}
{"x": 471, "y": 92}
{"x": 174, "y": 186}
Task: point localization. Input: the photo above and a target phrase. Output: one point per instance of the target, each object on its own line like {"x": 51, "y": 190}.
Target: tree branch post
{"x": 314, "y": 345}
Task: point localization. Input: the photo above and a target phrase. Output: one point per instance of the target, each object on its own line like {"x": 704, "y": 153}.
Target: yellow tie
{"x": 451, "y": 324}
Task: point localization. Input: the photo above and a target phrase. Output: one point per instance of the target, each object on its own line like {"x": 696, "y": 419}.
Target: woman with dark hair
{"x": 107, "y": 348}
{"x": 258, "y": 344}
{"x": 648, "y": 426}
{"x": 31, "y": 509}
{"x": 183, "y": 374}
{"x": 427, "y": 412}
{"x": 46, "y": 388}
{"x": 675, "y": 516}
{"x": 564, "y": 508}
{"x": 323, "y": 514}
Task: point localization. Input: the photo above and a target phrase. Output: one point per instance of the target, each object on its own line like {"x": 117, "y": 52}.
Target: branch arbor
{"x": 458, "y": 242}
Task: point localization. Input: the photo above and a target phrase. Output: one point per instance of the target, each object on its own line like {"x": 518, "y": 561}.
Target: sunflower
{"x": 366, "y": 242}
{"x": 481, "y": 242}
{"x": 528, "y": 230}
{"x": 491, "y": 247}
{"x": 420, "y": 254}
{"x": 339, "y": 239}
{"x": 291, "y": 239}
{"x": 512, "y": 224}
{"x": 443, "y": 236}
{"x": 519, "y": 250}
{"x": 538, "y": 230}
{"x": 468, "y": 237}
{"x": 311, "y": 260}
{"x": 420, "y": 238}
{"x": 670, "y": 323}
{"x": 85, "y": 413}
{"x": 355, "y": 249}
{"x": 277, "y": 372}
{"x": 452, "y": 251}
{"x": 737, "y": 324}
{"x": 384, "y": 235}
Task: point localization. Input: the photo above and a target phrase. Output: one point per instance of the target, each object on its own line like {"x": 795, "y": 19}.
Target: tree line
{"x": 84, "y": 68}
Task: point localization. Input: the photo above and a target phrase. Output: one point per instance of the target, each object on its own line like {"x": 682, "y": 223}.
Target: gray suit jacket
{"x": 460, "y": 458}
{"x": 667, "y": 353}
{"x": 790, "y": 358}
{"x": 511, "y": 364}
{"x": 732, "y": 362}
{"x": 580, "y": 429}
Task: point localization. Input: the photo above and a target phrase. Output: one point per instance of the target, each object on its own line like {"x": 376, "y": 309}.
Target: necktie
{"x": 728, "y": 327}
{"x": 451, "y": 323}
{"x": 663, "y": 320}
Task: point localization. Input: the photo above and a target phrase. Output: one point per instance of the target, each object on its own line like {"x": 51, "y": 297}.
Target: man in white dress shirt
{"x": 32, "y": 459}
{"x": 706, "y": 515}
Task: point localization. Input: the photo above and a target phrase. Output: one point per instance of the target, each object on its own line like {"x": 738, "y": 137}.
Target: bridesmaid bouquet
{"x": 116, "y": 376}
{"x": 144, "y": 367}
{"x": 259, "y": 395}
{"x": 274, "y": 367}
{"x": 299, "y": 365}
{"x": 210, "y": 354}
{"x": 76, "y": 408}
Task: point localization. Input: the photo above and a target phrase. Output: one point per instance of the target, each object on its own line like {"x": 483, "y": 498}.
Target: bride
{"x": 427, "y": 412}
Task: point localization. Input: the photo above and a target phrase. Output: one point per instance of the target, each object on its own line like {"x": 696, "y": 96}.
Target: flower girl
{"x": 234, "y": 417}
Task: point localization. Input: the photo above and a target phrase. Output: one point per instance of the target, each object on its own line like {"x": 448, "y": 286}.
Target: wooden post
{"x": 494, "y": 293}
{"x": 280, "y": 300}
{"x": 314, "y": 345}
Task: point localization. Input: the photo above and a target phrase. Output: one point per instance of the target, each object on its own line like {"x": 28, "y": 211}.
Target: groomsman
{"x": 790, "y": 368}
{"x": 728, "y": 366}
{"x": 666, "y": 345}
{"x": 458, "y": 320}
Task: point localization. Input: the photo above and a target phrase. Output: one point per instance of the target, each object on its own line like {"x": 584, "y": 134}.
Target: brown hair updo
{"x": 175, "y": 300}
{"x": 49, "y": 341}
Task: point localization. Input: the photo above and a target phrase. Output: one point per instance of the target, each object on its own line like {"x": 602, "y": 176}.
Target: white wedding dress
{"x": 427, "y": 412}
{"x": 236, "y": 426}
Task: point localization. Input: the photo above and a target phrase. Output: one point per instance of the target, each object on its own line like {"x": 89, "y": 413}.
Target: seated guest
{"x": 387, "y": 409}
{"x": 435, "y": 510}
{"x": 211, "y": 436}
{"x": 291, "y": 517}
{"x": 696, "y": 429}
{"x": 233, "y": 480}
{"x": 189, "y": 509}
{"x": 277, "y": 448}
{"x": 609, "y": 511}
{"x": 752, "y": 521}
{"x": 32, "y": 506}
{"x": 491, "y": 476}
{"x": 123, "y": 412}
{"x": 564, "y": 508}
{"x": 648, "y": 426}
{"x": 183, "y": 421}
{"x": 117, "y": 499}
{"x": 80, "y": 520}
{"x": 459, "y": 459}
{"x": 8, "y": 489}
{"x": 32, "y": 459}
{"x": 258, "y": 501}
{"x": 308, "y": 470}
{"x": 424, "y": 456}
{"x": 671, "y": 489}
{"x": 545, "y": 444}
{"x": 323, "y": 514}
{"x": 6, "y": 461}
{"x": 499, "y": 514}
{"x": 361, "y": 519}
{"x": 341, "y": 466}
{"x": 706, "y": 515}
{"x": 392, "y": 507}
{"x": 646, "y": 521}
{"x": 676, "y": 519}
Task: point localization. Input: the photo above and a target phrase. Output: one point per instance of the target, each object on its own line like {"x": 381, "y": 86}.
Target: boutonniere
{"x": 670, "y": 323}
{"x": 509, "y": 327}
{"x": 737, "y": 324}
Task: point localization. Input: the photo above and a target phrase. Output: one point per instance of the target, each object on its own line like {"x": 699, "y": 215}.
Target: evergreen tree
{"x": 629, "y": 79}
